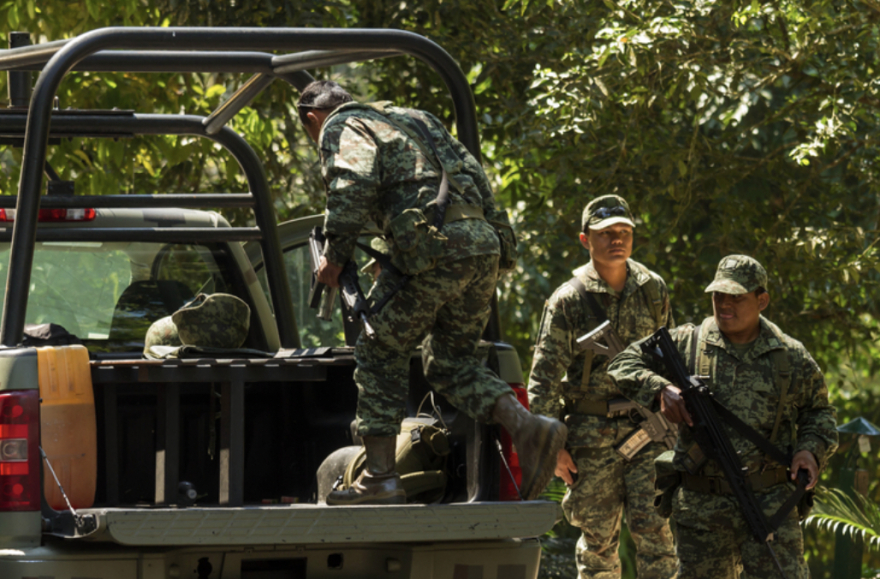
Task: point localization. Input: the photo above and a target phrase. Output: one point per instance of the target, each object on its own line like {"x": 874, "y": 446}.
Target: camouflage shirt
{"x": 373, "y": 170}
{"x": 567, "y": 317}
{"x": 746, "y": 383}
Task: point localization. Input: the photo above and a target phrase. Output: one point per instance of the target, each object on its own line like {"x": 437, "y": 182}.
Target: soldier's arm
{"x": 816, "y": 417}
{"x": 553, "y": 354}
{"x": 350, "y": 167}
{"x": 637, "y": 374}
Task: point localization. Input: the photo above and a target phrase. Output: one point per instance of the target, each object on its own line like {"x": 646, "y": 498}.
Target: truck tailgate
{"x": 310, "y": 524}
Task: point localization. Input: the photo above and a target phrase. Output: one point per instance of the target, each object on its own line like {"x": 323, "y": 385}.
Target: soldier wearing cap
{"x": 769, "y": 381}
{"x": 570, "y": 384}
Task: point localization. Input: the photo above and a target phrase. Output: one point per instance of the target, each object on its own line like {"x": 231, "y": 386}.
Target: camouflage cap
{"x": 213, "y": 321}
{"x": 738, "y": 274}
{"x": 606, "y": 211}
{"x": 382, "y": 247}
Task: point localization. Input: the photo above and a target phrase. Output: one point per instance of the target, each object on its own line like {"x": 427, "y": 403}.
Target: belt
{"x": 591, "y": 407}
{"x": 717, "y": 485}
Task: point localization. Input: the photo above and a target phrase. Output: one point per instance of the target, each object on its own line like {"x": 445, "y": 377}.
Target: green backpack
{"x": 422, "y": 450}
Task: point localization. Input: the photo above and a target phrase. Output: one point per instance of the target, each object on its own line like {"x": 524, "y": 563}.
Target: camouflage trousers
{"x": 713, "y": 539}
{"x": 607, "y": 488}
{"x": 448, "y": 305}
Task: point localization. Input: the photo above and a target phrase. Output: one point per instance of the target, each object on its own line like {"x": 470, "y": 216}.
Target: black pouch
{"x": 666, "y": 483}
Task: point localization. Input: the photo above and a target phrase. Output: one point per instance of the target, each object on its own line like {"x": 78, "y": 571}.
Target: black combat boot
{"x": 379, "y": 483}
{"x": 537, "y": 439}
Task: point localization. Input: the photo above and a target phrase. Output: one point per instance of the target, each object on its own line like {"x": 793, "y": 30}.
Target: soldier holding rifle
{"x": 401, "y": 169}
{"x": 609, "y": 461}
{"x": 767, "y": 389}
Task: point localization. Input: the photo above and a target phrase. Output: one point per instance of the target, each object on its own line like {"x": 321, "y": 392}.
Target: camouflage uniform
{"x": 373, "y": 170}
{"x": 712, "y": 539}
{"x": 606, "y": 483}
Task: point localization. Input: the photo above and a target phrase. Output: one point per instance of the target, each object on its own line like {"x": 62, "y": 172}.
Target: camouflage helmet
{"x": 209, "y": 321}
{"x": 213, "y": 321}
{"x": 737, "y": 275}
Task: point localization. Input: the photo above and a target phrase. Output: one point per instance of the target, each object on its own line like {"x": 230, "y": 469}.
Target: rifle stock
{"x": 604, "y": 331}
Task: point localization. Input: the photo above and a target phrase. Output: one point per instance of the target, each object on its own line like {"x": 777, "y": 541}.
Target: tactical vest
{"x": 704, "y": 365}
{"x": 651, "y": 291}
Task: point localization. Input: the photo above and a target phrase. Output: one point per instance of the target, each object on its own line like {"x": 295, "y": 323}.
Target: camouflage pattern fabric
{"x": 737, "y": 275}
{"x": 452, "y": 304}
{"x": 216, "y": 321}
{"x": 713, "y": 539}
{"x": 375, "y": 171}
{"x": 745, "y": 383}
{"x": 608, "y": 486}
{"x": 567, "y": 317}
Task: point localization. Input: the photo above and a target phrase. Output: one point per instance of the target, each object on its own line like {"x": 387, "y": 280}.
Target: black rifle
{"x": 352, "y": 294}
{"x": 316, "y": 290}
{"x": 713, "y": 440}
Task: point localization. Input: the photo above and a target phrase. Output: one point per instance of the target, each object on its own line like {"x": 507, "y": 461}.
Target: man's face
{"x": 612, "y": 245}
{"x": 738, "y": 316}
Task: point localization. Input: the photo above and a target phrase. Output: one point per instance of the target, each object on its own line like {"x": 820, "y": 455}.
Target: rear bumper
{"x": 320, "y": 524}
{"x": 503, "y": 559}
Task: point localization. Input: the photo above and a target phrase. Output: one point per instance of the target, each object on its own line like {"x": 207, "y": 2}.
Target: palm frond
{"x": 835, "y": 510}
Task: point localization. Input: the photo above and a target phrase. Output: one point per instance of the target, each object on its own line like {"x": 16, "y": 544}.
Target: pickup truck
{"x": 116, "y": 466}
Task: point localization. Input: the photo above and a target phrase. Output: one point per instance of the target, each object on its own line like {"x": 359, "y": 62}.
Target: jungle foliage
{"x": 730, "y": 127}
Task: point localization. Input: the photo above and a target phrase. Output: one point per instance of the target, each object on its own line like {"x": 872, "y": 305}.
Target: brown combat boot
{"x": 537, "y": 439}
{"x": 378, "y": 483}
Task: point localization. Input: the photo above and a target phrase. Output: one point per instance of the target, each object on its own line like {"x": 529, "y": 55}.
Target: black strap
{"x": 759, "y": 441}
{"x": 442, "y": 193}
{"x": 597, "y": 310}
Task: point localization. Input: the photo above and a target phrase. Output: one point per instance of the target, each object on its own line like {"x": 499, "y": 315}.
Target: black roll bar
{"x": 60, "y": 57}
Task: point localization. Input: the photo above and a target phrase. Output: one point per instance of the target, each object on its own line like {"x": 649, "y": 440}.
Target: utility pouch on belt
{"x": 665, "y": 484}
{"x": 507, "y": 241}
{"x": 419, "y": 244}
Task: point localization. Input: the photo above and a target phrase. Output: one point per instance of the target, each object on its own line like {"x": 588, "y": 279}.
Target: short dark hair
{"x": 760, "y": 291}
{"x": 321, "y": 95}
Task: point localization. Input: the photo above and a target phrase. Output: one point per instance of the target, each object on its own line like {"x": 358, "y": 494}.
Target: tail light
{"x": 54, "y": 215}
{"x": 507, "y": 492}
{"x": 19, "y": 451}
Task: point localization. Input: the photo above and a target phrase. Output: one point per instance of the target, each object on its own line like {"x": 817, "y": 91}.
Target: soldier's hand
{"x": 805, "y": 459}
{"x": 565, "y": 466}
{"x": 673, "y": 407}
{"x": 328, "y": 272}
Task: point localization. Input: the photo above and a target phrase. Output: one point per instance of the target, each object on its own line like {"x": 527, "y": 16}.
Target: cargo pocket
{"x": 418, "y": 244}
{"x": 666, "y": 481}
